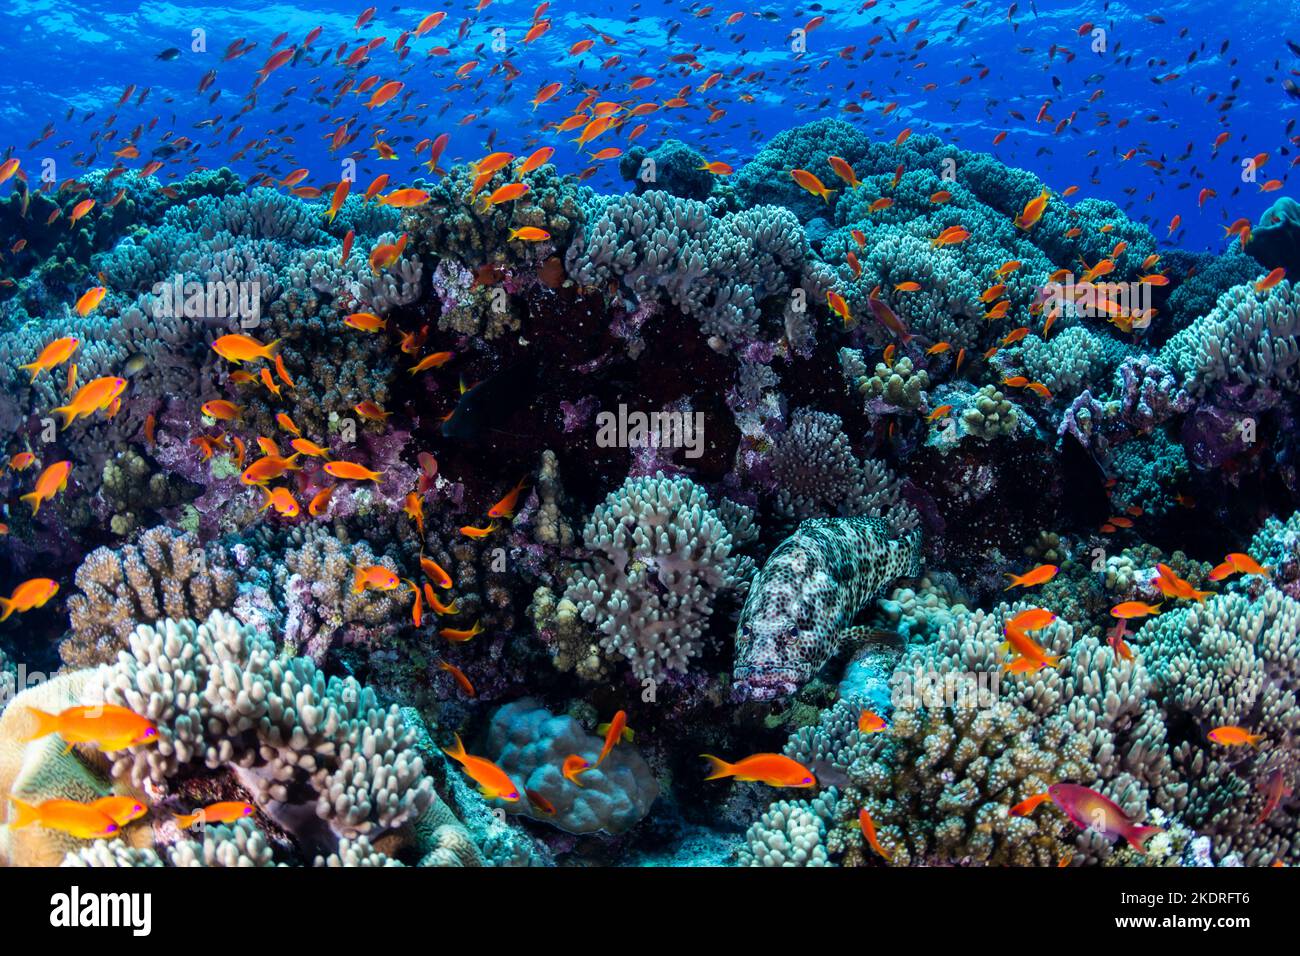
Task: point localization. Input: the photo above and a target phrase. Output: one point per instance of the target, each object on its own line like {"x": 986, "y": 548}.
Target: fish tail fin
{"x": 719, "y": 767}
{"x": 1138, "y": 836}
{"x": 24, "y": 814}
{"x": 6, "y": 605}
{"x": 826, "y": 195}
{"x": 1015, "y": 579}
{"x": 457, "y": 752}
{"x": 46, "y": 724}
{"x": 33, "y": 499}
{"x": 187, "y": 820}
{"x": 266, "y": 499}
{"x": 33, "y": 369}
{"x": 68, "y": 413}
{"x": 271, "y": 348}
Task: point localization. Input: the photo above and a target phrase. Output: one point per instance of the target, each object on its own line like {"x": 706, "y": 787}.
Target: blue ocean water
{"x": 1162, "y": 83}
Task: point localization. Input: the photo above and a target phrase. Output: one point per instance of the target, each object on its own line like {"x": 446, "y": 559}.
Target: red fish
{"x": 1089, "y": 810}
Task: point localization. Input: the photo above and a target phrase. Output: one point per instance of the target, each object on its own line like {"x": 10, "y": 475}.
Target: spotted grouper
{"x": 803, "y": 602}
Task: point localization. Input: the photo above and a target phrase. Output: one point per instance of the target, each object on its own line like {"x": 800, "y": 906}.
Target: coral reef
{"x": 662, "y": 553}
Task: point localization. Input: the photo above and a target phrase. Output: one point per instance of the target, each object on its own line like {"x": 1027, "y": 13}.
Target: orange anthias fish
{"x": 459, "y": 677}
{"x": 22, "y": 461}
{"x": 574, "y": 765}
{"x": 493, "y": 782}
{"x": 1232, "y": 736}
{"x": 868, "y": 827}
{"x": 870, "y": 723}
{"x": 843, "y": 170}
{"x": 950, "y": 236}
{"x": 365, "y": 322}
{"x": 775, "y": 770}
{"x": 374, "y": 577}
{"x": 413, "y": 506}
{"x": 92, "y": 397}
{"x": 281, "y": 499}
{"x": 107, "y": 726}
{"x": 52, "y": 480}
{"x": 30, "y": 594}
{"x": 83, "y": 821}
{"x": 1172, "y": 586}
{"x": 1029, "y": 805}
{"x": 340, "y": 194}
{"x": 1115, "y": 638}
{"x": 320, "y": 501}
{"x": 528, "y": 234}
{"x": 1270, "y": 280}
{"x": 351, "y": 471}
{"x": 267, "y": 468}
{"x": 506, "y": 193}
{"x": 1245, "y": 564}
{"x": 507, "y": 506}
{"x": 121, "y": 810}
{"x": 717, "y": 168}
{"x": 1031, "y": 656}
{"x": 436, "y": 360}
{"x": 434, "y": 572}
{"x": 836, "y": 303}
{"x": 1089, "y": 810}
{"x": 56, "y": 353}
{"x": 1033, "y": 619}
{"x": 1131, "y": 609}
{"x": 461, "y": 635}
{"x": 225, "y": 812}
{"x": 405, "y": 198}
{"x": 614, "y": 731}
{"x": 241, "y": 348}
{"x": 1033, "y": 211}
{"x": 812, "y": 184}
{"x": 90, "y": 299}
{"x": 1039, "y": 575}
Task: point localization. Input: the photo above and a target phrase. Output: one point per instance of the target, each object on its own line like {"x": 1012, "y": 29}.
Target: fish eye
{"x": 807, "y": 779}
{"x": 111, "y": 828}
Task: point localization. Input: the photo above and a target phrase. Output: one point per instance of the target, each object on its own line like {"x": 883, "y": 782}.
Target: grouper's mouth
{"x": 765, "y": 683}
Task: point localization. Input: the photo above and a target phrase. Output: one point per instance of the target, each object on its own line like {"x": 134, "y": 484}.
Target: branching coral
{"x": 1251, "y": 341}
{"x": 1232, "y": 661}
{"x": 717, "y": 269}
{"x": 662, "y": 553}
{"x": 966, "y": 743}
{"x": 162, "y": 574}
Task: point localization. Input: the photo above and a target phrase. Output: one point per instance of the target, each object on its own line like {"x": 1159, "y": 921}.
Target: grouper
{"x": 802, "y": 604}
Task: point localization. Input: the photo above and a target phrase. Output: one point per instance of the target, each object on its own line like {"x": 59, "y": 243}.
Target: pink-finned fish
{"x": 1089, "y": 810}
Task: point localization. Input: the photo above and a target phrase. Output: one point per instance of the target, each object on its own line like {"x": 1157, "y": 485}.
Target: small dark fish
{"x": 490, "y": 403}
{"x": 170, "y": 53}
